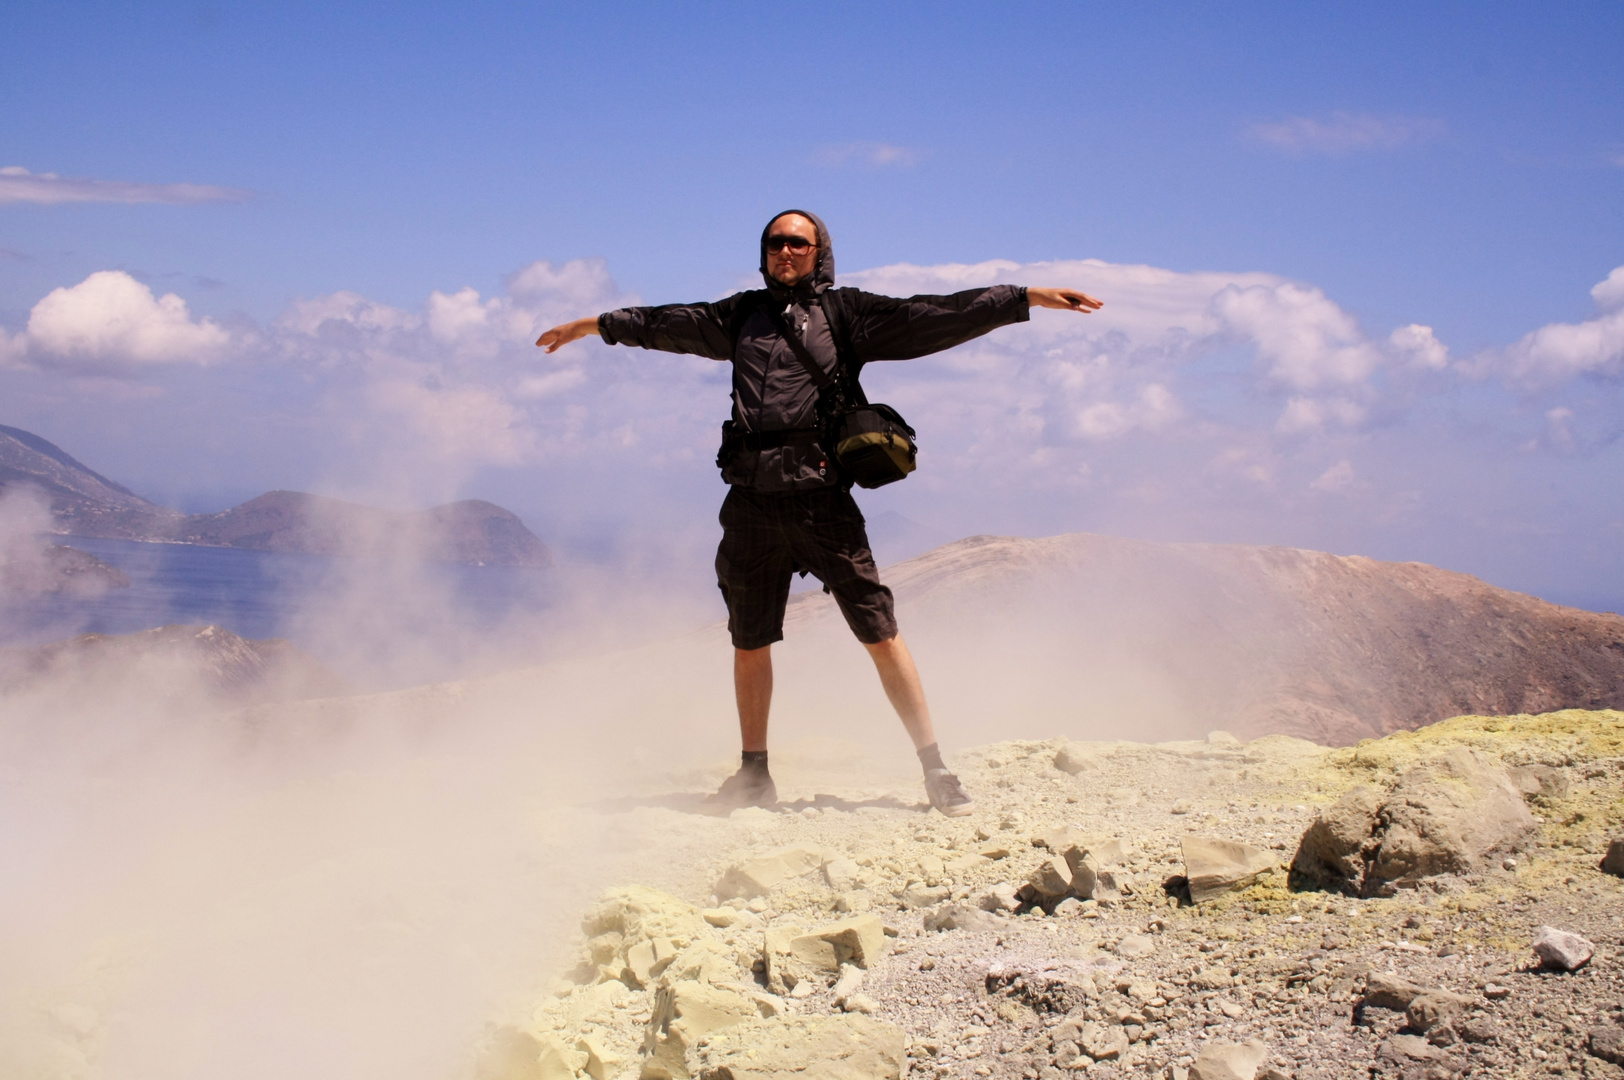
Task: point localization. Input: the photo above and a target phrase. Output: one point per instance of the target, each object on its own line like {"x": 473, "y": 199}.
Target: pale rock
{"x": 1213, "y": 867}
{"x": 794, "y": 955}
{"x": 1102, "y": 1042}
{"x": 931, "y": 869}
{"x": 1110, "y": 886}
{"x": 510, "y": 1053}
{"x": 1069, "y": 908}
{"x": 647, "y": 959}
{"x": 1074, "y": 758}
{"x": 1429, "y": 1010}
{"x": 1229, "y": 1061}
{"x": 1213, "y": 978}
{"x": 1000, "y": 897}
{"x": 1134, "y": 946}
{"x": 855, "y": 900}
{"x": 600, "y": 1062}
{"x": 1386, "y": 990}
{"x": 639, "y": 915}
{"x": 720, "y": 917}
{"x": 1613, "y": 861}
{"x": 1183, "y": 806}
{"x": 1562, "y": 949}
{"x": 1222, "y": 738}
{"x": 1538, "y": 781}
{"x": 1401, "y": 1048}
{"x": 1058, "y": 840}
{"x": 924, "y": 896}
{"x": 758, "y": 876}
{"x": 707, "y": 961}
{"x": 966, "y": 863}
{"x": 557, "y": 1061}
{"x": 851, "y": 977}
{"x": 860, "y": 1003}
{"x": 993, "y": 852}
{"x": 847, "y": 1047}
{"x": 1109, "y": 850}
{"x": 961, "y": 917}
{"x": 1450, "y": 815}
{"x": 1052, "y": 878}
{"x": 841, "y": 874}
{"x": 683, "y": 1015}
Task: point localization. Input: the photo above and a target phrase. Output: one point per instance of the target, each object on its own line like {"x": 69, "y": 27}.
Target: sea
{"x": 320, "y": 603}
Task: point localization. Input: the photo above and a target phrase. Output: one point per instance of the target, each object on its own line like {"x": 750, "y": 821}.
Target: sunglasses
{"x": 797, "y": 244}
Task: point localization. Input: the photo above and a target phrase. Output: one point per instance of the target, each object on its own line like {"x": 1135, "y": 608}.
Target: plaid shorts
{"x": 767, "y": 538}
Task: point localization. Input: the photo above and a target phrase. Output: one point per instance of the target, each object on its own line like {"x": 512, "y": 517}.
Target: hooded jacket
{"x": 772, "y": 390}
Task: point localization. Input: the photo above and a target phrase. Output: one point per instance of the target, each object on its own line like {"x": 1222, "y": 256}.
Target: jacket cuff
{"x": 603, "y": 329}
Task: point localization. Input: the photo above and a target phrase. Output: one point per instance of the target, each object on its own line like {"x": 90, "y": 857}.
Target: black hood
{"x": 822, "y": 275}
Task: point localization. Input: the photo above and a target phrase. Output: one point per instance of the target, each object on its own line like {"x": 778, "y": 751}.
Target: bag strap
{"x": 820, "y": 378}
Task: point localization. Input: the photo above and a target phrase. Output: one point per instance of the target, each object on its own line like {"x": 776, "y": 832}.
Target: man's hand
{"x": 559, "y": 336}
{"x": 1064, "y": 299}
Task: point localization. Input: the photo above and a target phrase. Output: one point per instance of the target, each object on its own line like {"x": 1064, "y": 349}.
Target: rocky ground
{"x": 1080, "y": 921}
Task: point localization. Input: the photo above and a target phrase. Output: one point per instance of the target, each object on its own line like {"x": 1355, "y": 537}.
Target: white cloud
{"x": 1338, "y": 478}
{"x": 1420, "y": 346}
{"x": 112, "y": 319}
{"x": 1306, "y": 416}
{"x": 1306, "y": 340}
{"x": 873, "y": 155}
{"x": 1343, "y": 133}
{"x": 18, "y": 185}
{"x": 1558, "y": 352}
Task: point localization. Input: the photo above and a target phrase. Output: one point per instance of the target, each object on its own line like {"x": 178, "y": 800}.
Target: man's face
{"x": 789, "y": 264}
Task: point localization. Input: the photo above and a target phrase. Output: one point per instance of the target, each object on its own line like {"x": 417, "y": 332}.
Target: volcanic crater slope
{"x": 1116, "y": 909}
{"x": 1254, "y": 640}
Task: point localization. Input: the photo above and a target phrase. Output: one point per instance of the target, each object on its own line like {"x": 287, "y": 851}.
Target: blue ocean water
{"x": 263, "y": 594}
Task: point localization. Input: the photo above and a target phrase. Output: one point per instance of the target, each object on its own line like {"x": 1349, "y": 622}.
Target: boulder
{"x": 601, "y": 1063}
{"x": 758, "y": 876}
{"x": 1562, "y": 950}
{"x": 847, "y": 1047}
{"x": 1083, "y": 871}
{"x": 794, "y": 955}
{"x": 1607, "y": 1043}
{"x": 634, "y": 918}
{"x": 1000, "y": 897}
{"x": 924, "y": 896}
{"x": 1229, "y": 1061}
{"x": 1385, "y": 990}
{"x": 962, "y": 917}
{"x": 1613, "y": 861}
{"x": 1074, "y": 758}
{"x": 1435, "y": 1007}
{"x": 1102, "y": 1042}
{"x": 1451, "y": 815}
{"x": 1052, "y": 879}
{"x": 647, "y": 959}
{"x": 1213, "y": 867}
{"x": 1538, "y": 781}
{"x": 841, "y": 874}
{"x": 683, "y": 1015}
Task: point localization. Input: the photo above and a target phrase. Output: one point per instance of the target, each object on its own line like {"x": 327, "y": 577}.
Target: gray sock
{"x": 931, "y": 757}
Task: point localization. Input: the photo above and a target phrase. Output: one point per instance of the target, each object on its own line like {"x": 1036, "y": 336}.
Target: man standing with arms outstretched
{"x": 788, "y": 508}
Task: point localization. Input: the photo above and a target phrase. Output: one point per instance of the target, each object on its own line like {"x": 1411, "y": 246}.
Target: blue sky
{"x": 1453, "y": 167}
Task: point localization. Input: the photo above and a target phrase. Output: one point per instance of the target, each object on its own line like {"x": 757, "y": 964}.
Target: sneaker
{"x": 747, "y": 787}
{"x": 947, "y": 794}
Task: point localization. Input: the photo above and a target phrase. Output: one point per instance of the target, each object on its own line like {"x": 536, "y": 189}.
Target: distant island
{"x": 85, "y": 503}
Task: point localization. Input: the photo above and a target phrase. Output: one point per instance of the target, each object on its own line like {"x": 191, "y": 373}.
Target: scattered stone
{"x": 1056, "y": 989}
{"x": 1102, "y": 1042}
{"x": 841, "y": 874}
{"x": 1613, "y": 861}
{"x": 600, "y": 1062}
{"x": 924, "y": 896}
{"x": 961, "y": 917}
{"x": 720, "y": 917}
{"x": 1452, "y": 815}
{"x": 1401, "y": 1048}
{"x": 794, "y": 956}
{"x": 683, "y": 1015}
{"x": 856, "y": 900}
{"x": 1213, "y": 867}
{"x": 757, "y": 877}
{"x": 1074, "y": 758}
{"x": 1052, "y": 878}
{"x": 1385, "y": 990}
{"x": 647, "y": 959}
{"x": 1562, "y": 950}
{"x": 1607, "y": 1043}
{"x": 1069, "y": 908}
{"x": 1479, "y": 1029}
{"x": 1539, "y": 781}
{"x": 1229, "y": 1061}
{"x": 1434, "y": 1008}
{"x": 1000, "y": 897}
{"x": 1183, "y": 806}
{"x": 851, "y": 977}
{"x": 1136, "y": 945}
{"x": 860, "y": 1003}
{"x": 806, "y": 1048}
{"x": 1496, "y": 992}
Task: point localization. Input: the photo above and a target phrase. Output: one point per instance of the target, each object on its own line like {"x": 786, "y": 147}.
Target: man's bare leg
{"x": 753, "y": 690}
{"x": 900, "y": 677}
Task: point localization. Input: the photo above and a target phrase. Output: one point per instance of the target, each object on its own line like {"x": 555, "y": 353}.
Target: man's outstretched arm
{"x": 1064, "y": 299}
{"x": 562, "y": 335}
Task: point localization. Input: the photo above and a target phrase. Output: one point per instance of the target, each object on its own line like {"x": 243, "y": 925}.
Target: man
{"x": 788, "y": 508}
